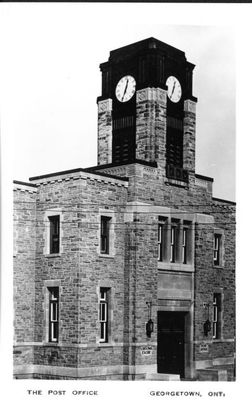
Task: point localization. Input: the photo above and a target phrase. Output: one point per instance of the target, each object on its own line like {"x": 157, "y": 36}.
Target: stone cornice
{"x": 78, "y": 175}
{"x": 24, "y": 187}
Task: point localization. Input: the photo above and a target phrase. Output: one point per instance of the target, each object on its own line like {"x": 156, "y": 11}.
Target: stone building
{"x": 126, "y": 270}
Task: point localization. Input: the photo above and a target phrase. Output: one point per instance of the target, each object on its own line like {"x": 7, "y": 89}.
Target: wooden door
{"x": 171, "y": 342}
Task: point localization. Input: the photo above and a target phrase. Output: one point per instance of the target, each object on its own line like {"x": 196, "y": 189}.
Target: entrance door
{"x": 171, "y": 342}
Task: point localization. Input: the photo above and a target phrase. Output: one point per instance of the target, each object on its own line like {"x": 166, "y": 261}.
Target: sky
{"x": 52, "y": 80}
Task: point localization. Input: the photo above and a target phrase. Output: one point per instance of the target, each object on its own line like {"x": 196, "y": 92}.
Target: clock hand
{"x": 125, "y": 90}
{"x": 173, "y": 89}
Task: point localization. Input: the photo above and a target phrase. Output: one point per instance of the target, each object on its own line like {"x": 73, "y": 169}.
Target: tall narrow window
{"x": 173, "y": 243}
{"x": 103, "y": 314}
{"x": 54, "y": 222}
{"x": 185, "y": 245}
{"x": 160, "y": 242}
{"x": 162, "y": 221}
{"x": 217, "y": 247}
{"x": 53, "y": 314}
{"x": 105, "y": 222}
{"x": 216, "y": 316}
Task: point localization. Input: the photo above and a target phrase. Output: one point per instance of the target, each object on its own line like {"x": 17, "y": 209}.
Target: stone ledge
{"x": 80, "y": 174}
{"x": 87, "y": 372}
{"x": 211, "y": 374}
{"x": 162, "y": 377}
{"x": 80, "y": 345}
{"x": 24, "y": 187}
{"x": 175, "y": 182}
{"x": 206, "y": 364}
{"x": 166, "y": 266}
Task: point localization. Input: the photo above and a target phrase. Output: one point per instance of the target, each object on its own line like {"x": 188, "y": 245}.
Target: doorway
{"x": 171, "y": 342}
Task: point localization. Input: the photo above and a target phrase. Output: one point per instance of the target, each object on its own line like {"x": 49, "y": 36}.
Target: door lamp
{"x": 207, "y": 323}
{"x": 150, "y": 323}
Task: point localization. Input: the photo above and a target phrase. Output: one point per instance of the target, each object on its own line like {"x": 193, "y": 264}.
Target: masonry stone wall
{"x": 189, "y": 138}
{"x": 151, "y": 126}
{"x": 24, "y": 271}
{"x": 104, "y": 144}
{"x": 130, "y": 271}
{"x": 79, "y": 270}
{"x": 142, "y": 287}
{"x": 145, "y": 186}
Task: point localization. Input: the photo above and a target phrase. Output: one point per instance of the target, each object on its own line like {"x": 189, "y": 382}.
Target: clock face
{"x": 125, "y": 88}
{"x": 174, "y": 91}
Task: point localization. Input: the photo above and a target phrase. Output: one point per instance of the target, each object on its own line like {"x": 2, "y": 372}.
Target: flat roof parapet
{"x": 79, "y": 173}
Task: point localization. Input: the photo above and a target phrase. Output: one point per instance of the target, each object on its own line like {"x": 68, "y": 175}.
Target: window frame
{"x": 217, "y": 316}
{"x": 105, "y": 236}
{"x": 174, "y": 241}
{"x": 162, "y": 239}
{"x": 56, "y": 212}
{"x": 54, "y": 233}
{"x": 185, "y": 239}
{"x": 217, "y": 249}
{"x": 53, "y": 322}
{"x": 104, "y": 314}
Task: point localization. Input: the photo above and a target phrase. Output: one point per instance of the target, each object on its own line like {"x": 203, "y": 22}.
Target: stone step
{"x": 162, "y": 377}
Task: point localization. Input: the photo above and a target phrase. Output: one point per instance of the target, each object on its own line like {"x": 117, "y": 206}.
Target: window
{"x": 53, "y": 233}
{"x": 173, "y": 244}
{"x": 54, "y": 244}
{"x": 103, "y": 314}
{"x": 53, "y": 314}
{"x": 185, "y": 245}
{"x": 105, "y": 223}
{"x": 161, "y": 238}
{"x": 217, "y": 248}
{"x": 217, "y": 316}
{"x": 160, "y": 242}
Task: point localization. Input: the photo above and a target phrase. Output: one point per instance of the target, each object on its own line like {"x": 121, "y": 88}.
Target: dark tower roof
{"x": 146, "y": 45}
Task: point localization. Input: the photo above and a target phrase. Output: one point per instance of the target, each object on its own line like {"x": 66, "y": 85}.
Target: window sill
{"x": 218, "y": 266}
{"x": 175, "y": 266}
{"x": 103, "y": 344}
{"x": 106, "y": 255}
{"x": 53, "y": 255}
{"x": 51, "y": 344}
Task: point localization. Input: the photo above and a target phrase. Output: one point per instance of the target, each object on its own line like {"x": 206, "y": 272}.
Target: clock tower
{"x": 147, "y": 110}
